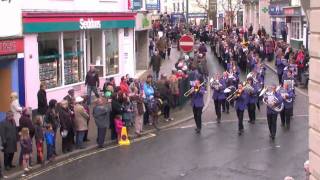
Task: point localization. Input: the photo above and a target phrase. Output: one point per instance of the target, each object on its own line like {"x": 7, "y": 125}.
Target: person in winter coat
{"x": 15, "y": 107}
{"x": 300, "y": 63}
{"x": 101, "y": 115}
{"x": 9, "y": 139}
{"x": 26, "y": 149}
{"x": 92, "y": 83}
{"x": 52, "y": 118}
{"x": 42, "y": 100}
{"x": 39, "y": 137}
{"x": 117, "y": 109}
{"x": 66, "y": 129}
{"x": 155, "y": 64}
{"x": 1, "y": 148}
{"x": 25, "y": 121}
{"x": 124, "y": 87}
{"x": 81, "y": 118}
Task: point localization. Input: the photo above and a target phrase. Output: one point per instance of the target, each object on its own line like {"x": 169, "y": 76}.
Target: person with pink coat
{"x": 118, "y": 124}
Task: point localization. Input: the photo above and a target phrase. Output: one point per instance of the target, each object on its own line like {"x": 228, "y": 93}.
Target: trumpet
{"x": 215, "y": 83}
{"x": 193, "y": 89}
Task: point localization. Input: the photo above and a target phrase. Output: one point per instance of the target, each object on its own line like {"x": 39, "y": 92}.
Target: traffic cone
{"x": 124, "y": 140}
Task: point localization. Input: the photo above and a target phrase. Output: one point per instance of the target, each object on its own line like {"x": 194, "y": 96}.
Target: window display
{"x": 112, "y": 51}
{"x": 49, "y": 59}
{"x": 73, "y": 56}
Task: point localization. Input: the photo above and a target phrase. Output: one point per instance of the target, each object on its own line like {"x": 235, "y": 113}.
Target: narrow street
{"x": 217, "y": 153}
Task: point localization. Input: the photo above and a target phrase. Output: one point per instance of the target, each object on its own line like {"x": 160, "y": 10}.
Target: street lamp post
{"x": 187, "y": 13}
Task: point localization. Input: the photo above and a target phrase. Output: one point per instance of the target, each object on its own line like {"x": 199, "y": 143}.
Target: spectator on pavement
{"x": 25, "y": 121}
{"x": 119, "y": 124}
{"x": 15, "y": 108}
{"x": 39, "y": 137}
{"x": 101, "y": 115}
{"x": 42, "y": 100}
{"x": 52, "y": 119}
{"x": 81, "y": 118}
{"x": 26, "y": 149}
{"x": 1, "y": 149}
{"x": 117, "y": 109}
{"x": 66, "y": 128}
{"x": 92, "y": 83}
{"x": 9, "y": 140}
{"x": 50, "y": 141}
{"x": 138, "y": 109}
{"x": 124, "y": 87}
{"x": 71, "y": 99}
{"x": 155, "y": 64}
{"x": 148, "y": 91}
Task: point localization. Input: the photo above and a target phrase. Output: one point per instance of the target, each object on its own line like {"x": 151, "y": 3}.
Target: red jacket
{"x": 300, "y": 59}
{"x": 124, "y": 88}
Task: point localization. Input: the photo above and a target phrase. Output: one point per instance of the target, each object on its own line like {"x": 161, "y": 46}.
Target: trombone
{"x": 193, "y": 89}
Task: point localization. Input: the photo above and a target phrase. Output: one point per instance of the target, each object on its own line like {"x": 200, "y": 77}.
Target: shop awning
{"x": 37, "y": 22}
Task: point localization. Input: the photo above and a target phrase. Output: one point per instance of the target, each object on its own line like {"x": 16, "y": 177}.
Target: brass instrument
{"x": 215, "y": 83}
{"x": 236, "y": 93}
{"x": 270, "y": 99}
{"x": 193, "y": 89}
{"x": 284, "y": 94}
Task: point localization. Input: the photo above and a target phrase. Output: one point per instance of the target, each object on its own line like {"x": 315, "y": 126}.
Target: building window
{"x": 50, "y": 67}
{"x": 296, "y": 28}
{"x": 73, "y": 58}
{"x": 112, "y": 51}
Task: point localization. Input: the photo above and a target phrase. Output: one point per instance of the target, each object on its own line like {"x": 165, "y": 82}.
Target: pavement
{"x": 179, "y": 114}
{"x": 176, "y": 152}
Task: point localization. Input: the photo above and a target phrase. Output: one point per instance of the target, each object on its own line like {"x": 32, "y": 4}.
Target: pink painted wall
{"x": 31, "y": 69}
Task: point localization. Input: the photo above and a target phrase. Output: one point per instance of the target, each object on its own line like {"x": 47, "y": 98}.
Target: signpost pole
{"x": 187, "y": 14}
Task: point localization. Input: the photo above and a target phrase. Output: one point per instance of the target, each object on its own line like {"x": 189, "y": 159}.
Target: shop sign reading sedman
{"x": 90, "y": 24}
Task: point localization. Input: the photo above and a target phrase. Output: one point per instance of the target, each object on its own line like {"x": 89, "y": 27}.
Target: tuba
{"x": 269, "y": 99}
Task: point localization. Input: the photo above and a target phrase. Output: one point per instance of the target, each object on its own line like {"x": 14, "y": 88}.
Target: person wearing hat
{"x": 92, "y": 83}
{"x": 15, "y": 108}
{"x": 81, "y": 119}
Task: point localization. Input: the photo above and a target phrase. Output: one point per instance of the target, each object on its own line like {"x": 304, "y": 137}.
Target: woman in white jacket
{"x": 15, "y": 107}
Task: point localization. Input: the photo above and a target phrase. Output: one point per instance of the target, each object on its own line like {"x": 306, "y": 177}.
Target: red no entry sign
{"x": 186, "y": 43}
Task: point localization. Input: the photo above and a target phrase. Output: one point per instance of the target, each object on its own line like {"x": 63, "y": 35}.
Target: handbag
{"x": 64, "y": 133}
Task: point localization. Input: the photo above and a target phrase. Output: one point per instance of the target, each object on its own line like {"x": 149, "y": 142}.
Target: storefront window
{"x": 295, "y": 29}
{"x": 73, "y": 58}
{"x": 112, "y": 51}
{"x": 49, "y": 59}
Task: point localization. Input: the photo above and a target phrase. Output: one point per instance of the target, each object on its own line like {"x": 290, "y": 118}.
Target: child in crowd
{"x": 39, "y": 139}
{"x": 26, "y": 149}
{"x": 49, "y": 137}
{"x": 128, "y": 110}
{"x": 118, "y": 124}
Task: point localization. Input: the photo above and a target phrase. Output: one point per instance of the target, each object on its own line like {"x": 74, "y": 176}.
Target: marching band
{"x": 248, "y": 95}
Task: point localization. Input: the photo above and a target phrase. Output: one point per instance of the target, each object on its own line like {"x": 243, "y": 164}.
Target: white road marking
{"x": 70, "y": 160}
{"x": 266, "y": 148}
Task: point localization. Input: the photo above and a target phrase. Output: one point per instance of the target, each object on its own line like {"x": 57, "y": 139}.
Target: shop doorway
{"x": 5, "y": 83}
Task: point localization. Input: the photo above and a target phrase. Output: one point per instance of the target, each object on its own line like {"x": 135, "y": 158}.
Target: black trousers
{"x": 240, "y": 119}
{"x": 146, "y": 115}
{"x": 280, "y": 78}
{"x": 272, "y": 124}
{"x": 68, "y": 142}
{"x": 225, "y": 105}
{"x": 166, "y": 111}
{"x": 197, "y": 113}
{"x": 168, "y": 52}
{"x": 252, "y": 111}
{"x": 217, "y": 106}
{"x": 7, "y": 158}
{"x": 101, "y": 136}
{"x": 285, "y": 116}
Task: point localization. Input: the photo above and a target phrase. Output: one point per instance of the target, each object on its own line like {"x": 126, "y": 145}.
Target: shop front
{"x": 142, "y": 28}
{"x": 297, "y": 26}
{"x": 11, "y": 72}
{"x": 278, "y": 19}
{"x": 60, "y": 48}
